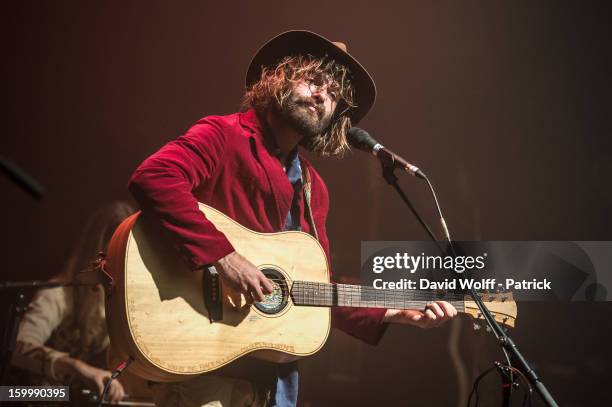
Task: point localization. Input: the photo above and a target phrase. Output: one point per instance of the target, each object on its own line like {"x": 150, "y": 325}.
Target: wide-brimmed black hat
{"x": 301, "y": 42}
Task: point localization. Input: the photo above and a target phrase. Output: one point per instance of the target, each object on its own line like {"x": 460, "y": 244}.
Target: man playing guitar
{"x": 302, "y": 90}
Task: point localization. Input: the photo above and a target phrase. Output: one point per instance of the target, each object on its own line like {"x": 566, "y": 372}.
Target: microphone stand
{"x": 16, "y": 310}
{"x": 507, "y": 344}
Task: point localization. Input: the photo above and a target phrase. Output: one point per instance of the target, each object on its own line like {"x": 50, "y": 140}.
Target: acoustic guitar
{"x": 157, "y": 312}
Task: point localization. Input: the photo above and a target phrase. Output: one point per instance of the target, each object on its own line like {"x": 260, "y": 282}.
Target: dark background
{"x": 504, "y": 104}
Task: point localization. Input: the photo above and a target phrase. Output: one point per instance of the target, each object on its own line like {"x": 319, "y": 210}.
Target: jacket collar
{"x": 280, "y": 186}
{"x": 257, "y": 126}
{"x": 250, "y": 120}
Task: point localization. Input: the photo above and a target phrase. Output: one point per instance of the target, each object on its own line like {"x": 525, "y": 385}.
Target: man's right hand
{"x": 242, "y": 277}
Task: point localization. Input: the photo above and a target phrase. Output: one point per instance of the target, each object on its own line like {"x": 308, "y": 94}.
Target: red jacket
{"x": 226, "y": 162}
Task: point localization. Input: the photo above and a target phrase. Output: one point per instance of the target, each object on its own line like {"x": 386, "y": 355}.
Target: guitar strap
{"x": 307, "y": 186}
{"x": 96, "y": 274}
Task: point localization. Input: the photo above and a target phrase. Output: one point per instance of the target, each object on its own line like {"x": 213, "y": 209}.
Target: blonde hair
{"x": 275, "y": 86}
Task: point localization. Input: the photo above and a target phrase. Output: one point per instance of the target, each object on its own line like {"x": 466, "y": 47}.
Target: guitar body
{"x": 156, "y": 313}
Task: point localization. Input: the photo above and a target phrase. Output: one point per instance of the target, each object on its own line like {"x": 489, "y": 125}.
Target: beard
{"x": 297, "y": 114}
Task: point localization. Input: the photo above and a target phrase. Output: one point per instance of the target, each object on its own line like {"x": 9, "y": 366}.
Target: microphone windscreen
{"x": 361, "y": 139}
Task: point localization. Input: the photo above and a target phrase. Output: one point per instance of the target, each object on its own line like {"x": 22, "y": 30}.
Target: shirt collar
{"x": 294, "y": 172}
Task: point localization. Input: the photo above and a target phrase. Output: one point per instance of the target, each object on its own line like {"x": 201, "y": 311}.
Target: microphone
{"x": 361, "y": 139}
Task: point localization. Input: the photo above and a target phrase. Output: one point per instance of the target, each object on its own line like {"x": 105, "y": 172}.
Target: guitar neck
{"x": 310, "y": 293}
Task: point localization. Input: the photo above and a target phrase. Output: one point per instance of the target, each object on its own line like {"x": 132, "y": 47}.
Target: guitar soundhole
{"x": 277, "y": 300}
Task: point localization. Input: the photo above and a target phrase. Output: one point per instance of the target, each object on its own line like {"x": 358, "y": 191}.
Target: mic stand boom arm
{"x": 388, "y": 167}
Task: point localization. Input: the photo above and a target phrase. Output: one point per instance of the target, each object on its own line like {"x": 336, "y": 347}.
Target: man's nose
{"x": 319, "y": 94}
{"x": 318, "y": 97}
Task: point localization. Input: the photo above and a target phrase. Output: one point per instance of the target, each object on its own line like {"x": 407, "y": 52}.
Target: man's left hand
{"x": 435, "y": 314}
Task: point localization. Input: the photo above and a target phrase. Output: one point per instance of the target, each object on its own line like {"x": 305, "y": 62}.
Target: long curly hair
{"x": 276, "y": 84}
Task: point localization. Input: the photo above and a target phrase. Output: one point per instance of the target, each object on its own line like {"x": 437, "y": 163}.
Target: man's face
{"x": 310, "y": 106}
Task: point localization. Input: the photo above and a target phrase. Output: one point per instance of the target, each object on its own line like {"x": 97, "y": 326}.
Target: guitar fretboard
{"x": 348, "y": 295}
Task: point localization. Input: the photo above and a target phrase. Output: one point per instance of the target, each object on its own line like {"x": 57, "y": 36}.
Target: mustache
{"x": 309, "y": 102}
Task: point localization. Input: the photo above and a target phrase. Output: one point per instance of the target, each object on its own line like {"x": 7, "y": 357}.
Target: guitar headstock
{"x": 502, "y": 307}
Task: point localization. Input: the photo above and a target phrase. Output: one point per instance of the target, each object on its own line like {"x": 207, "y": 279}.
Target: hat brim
{"x": 301, "y": 42}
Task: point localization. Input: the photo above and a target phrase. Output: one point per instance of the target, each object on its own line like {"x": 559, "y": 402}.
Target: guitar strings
{"x": 336, "y": 294}
{"x": 324, "y": 294}
{"x": 359, "y": 289}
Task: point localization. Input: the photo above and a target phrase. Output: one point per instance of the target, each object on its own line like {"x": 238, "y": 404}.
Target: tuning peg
{"x": 476, "y": 326}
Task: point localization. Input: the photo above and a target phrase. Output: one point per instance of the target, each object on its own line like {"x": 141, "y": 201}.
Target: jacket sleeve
{"x": 362, "y": 323}
{"x": 44, "y": 315}
{"x": 163, "y": 185}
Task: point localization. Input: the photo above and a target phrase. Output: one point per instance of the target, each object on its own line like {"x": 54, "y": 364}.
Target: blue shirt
{"x": 287, "y": 378}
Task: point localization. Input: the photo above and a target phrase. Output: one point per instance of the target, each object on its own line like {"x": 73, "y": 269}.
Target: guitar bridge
{"x": 211, "y": 287}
